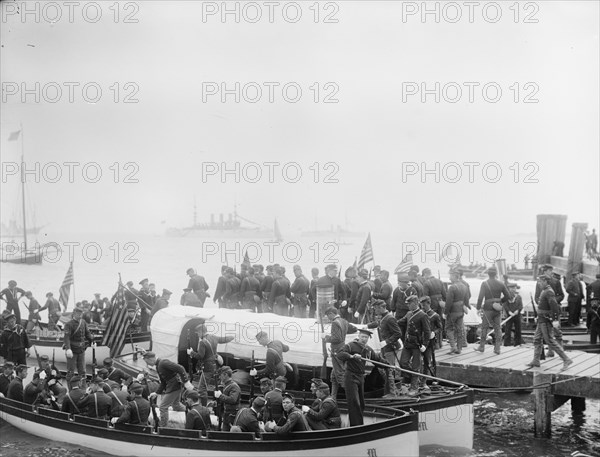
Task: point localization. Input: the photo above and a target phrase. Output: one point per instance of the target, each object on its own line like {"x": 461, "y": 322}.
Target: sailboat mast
{"x": 23, "y": 188}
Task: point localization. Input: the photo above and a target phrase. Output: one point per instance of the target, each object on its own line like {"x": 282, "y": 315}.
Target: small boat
{"x": 445, "y": 417}
{"x": 386, "y": 432}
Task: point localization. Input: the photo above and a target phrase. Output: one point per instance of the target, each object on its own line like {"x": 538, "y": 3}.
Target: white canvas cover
{"x": 303, "y": 336}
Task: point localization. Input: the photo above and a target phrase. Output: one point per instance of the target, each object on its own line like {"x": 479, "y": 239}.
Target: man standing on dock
{"x": 548, "y": 317}
{"x": 491, "y": 290}
{"x": 389, "y": 332}
{"x": 575, "y": 297}
{"x": 340, "y": 327}
{"x": 548, "y": 270}
{"x": 198, "y": 285}
{"x": 279, "y": 297}
{"x": 300, "y": 288}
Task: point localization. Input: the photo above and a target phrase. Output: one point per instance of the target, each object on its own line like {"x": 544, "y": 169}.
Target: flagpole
{"x": 23, "y": 185}
{"x": 74, "y": 296}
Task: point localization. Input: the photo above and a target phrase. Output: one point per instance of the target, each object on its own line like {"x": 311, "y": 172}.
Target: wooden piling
{"x": 550, "y": 228}
{"x": 543, "y": 403}
{"x": 576, "y": 247}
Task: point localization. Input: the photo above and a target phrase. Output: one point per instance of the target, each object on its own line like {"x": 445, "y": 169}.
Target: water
{"x": 503, "y": 422}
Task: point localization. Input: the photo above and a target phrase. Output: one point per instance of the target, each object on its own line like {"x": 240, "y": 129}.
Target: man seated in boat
{"x": 53, "y": 307}
{"x": 295, "y": 421}
{"x": 72, "y": 398}
{"x": 247, "y": 419}
{"x": 14, "y": 342}
{"x": 315, "y": 383}
{"x": 115, "y": 374}
{"x": 15, "y": 388}
{"x": 6, "y": 377}
{"x": 197, "y": 416}
{"x": 53, "y": 377}
{"x": 326, "y": 415}
{"x": 204, "y": 353}
{"x": 275, "y": 349}
{"x": 118, "y": 397}
{"x": 137, "y": 410}
{"x": 266, "y": 385}
{"x": 274, "y": 409}
{"x": 95, "y": 403}
{"x": 229, "y": 395}
{"x": 36, "y": 392}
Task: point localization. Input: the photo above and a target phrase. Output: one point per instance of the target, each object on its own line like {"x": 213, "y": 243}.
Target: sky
{"x": 369, "y": 147}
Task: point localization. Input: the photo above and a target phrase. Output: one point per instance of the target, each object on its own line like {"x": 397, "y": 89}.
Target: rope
{"x": 462, "y": 386}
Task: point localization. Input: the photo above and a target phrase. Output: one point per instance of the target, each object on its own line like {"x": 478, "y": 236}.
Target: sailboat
{"x": 277, "y": 232}
{"x": 13, "y": 252}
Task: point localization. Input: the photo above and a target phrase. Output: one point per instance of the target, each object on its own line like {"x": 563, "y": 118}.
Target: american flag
{"x": 405, "y": 265}
{"x": 246, "y": 259}
{"x": 116, "y": 327}
{"x": 366, "y": 254}
{"x": 65, "y": 288}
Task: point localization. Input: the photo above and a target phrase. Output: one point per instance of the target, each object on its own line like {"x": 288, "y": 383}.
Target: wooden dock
{"x": 509, "y": 369}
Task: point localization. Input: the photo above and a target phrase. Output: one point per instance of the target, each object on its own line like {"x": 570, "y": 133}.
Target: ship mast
{"x": 23, "y": 189}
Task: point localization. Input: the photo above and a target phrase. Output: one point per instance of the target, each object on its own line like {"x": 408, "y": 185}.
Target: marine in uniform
{"x": 295, "y": 420}
{"x": 198, "y": 415}
{"x": 275, "y": 365}
{"x": 575, "y": 297}
{"x": 198, "y": 285}
{"x": 229, "y": 395}
{"x": 513, "y": 307}
{"x": 231, "y": 297}
{"x": 53, "y": 307}
{"x": 15, "y": 388}
{"x": 33, "y": 320}
{"x": 96, "y": 403}
{"x": 189, "y": 298}
{"x": 415, "y": 283}
{"x": 247, "y": 418}
{"x": 454, "y": 309}
{"x": 385, "y": 290}
{"x": 135, "y": 411}
{"x": 363, "y": 312}
{"x": 300, "y": 290}
{"x": 77, "y": 336}
{"x": 250, "y": 291}
{"x": 72, "y": 398}
{"x": 326, "y": 415}
{"x": 314, "y": 272}
{"x": 161, "y": 302}
{"x": 6, "y": 377}
{"x": 14, "y": 342}
{"x": 352, "y": 354}
{"x": 273, "y": 410}
{"x": 279, "y": 297}
{"x": 418, "y": 332}
{"x": 435, "y": 325}
{"x": 399, "y": 305}
{"x": 490, "y": 296}
{"x": 340, "y": 327}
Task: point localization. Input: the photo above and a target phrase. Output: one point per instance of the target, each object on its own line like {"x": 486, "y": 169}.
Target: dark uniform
{"x": 354, "y": 377}
{"x": 231, "y": 400}
{"x": 385, "y": 293}
{"x": 247, "y": 420}
{"x": 32, "y": 392}
{"x": 14, "y": 343}
{"x": 77, "y": 335}
{"x": 325, "y": 416}
{"x": 279, "y": 297}
{"x": 363, "y": 300}
{"x": 455, "y": 329}
{"x": 339, "y": 291}
{"x": 171, "y": 376}
{"x": 15, "y": 389}
{"x": 119, "y": 401}
{"x": 96, "y": 404}
{"x": 4, "y": 383}
{"x": 275, "y": 365}
{"x": 199, "y": 286}
{"x": 265, "y": 289}
{"x": 339, "y": 329}
{"x": 250, "y": 292}
{"x": 491, "y": 290}
{"x": 511, "y": 306}
{"x": 273, "y": 410}
{"x": 434, "y": 289}
{"x": 295, "y": 422}
{"x": 220, "y": 290}
{"x": 231, "y": 297}
{"x": 435, "y": 324}
{"x": 399, "y": 305}
{"x": 136, "y": 411}
{"x": 575, "y": 297}
{"x": 12, "y": 300}
{"x": 205, "y": 356}
{"x": 198, "y": 418}
{"x": 418, "y": 332}
{"x": 390, "y": 333}
{"x": 53, "y": 307}
{"x": 300, "y": 288}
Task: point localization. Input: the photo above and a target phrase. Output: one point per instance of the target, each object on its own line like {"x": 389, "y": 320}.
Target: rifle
{"x": 154, "y": 415}
{"x": 219, "y": 407}
{"x": 324, "y": 347}
{"x": 190, "y": 360}
{"x": 535, "y": 316}
{"x": 135, "y": 357}
{"x": 93, "y": 361}
{"x": 251, "y": 379}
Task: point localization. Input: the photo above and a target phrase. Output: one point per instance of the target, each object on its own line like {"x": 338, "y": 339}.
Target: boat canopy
{"x": 170, "y": 328}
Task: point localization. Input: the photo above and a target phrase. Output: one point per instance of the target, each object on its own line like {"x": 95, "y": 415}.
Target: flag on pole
{"x": 65, "y": 288}
{"x": 116, "y": 327}
{"x": 246, "y": 259}
{"x": 366, "y": 254}
{"x": 404, "y": 266}
{"x": 14, "y": 136}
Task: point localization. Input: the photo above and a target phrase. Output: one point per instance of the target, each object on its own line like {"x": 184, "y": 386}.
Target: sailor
{"x": 315, "y": 383}
{"x": 77, "y": 335}
{"x": 266, "y": 385}
{"x": 575, "y": 297}
{"x": 250, "y": 291}
{"x": 279, "y": 297}
{"x": 435, "y": 324}
{"x": 11, "y": 295}
{"x": 300, "y": 290}
{"x": 118, "y": 397}
{"x": 53, "y": 307}
{"x": 33, "y": 390}
{"x": 134, "y": 321}
{"x": 491, "y": 290}
{"x": 33, "y": 320}
{"x": 399, "y": 305}
{"x": 327, "y": 415}
{"x": 273, "y": 410}
{"x": 204, "y": 353}
{"x": 385, "y": 289}
{"x": 172, "y": 376}
{"x": 314, "y": 272}
{"x": 198, "y": 415}
{"x": 352, "y": 354}
{"x": 275, "y": 365}
{"x": 418, "y": 277}
{"x": 351, "y": 291}
{"x": 230, "y": 396}
{"x": 231, "y": 297}
{"x": 548, "y": 317}
{"x": 389, "y": 332}
{"x": 189, "y": 298}
{"x": 259, "y": 272}
{"x": 331, "y": 279}
{"x": 146, "y": 300}
{"x": 265, "y": 289}
{"x": 15, "y": 388}
{"x": 340, "y": 327}
{"x": 161, "y": 302}
{"x": 95, "y": 403}
{"x": 513, "y": 307}
{"x": 295, "y": 420}
{"x": 415, "y": 282}
{"x": 14, "y": 342}
{"x": 454, "y": 309}
{"x": 417, "y": 333}
{"x": 363, "y": 312}
{"x": 198, "y": 285}
{"x": 247, "y": 418}
{"x": 6, "y": 377}
{"x": 72, "y": 398}
{"x": 135, "y": 411}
